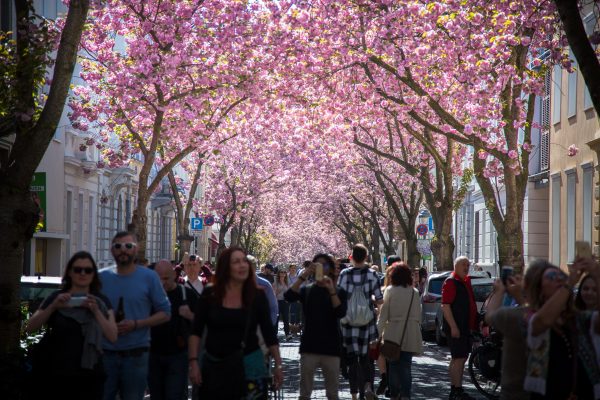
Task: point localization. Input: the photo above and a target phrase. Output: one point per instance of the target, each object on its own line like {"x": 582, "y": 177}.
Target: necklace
{"x": 566, "y": 341}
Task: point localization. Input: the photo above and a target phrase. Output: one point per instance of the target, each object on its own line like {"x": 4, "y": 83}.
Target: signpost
{"x": 422, "y": 229}
{"x": 196, "y": 225}
{"x": 209, "y": 220}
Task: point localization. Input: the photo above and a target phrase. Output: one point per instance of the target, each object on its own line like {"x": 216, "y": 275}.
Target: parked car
{"x": 34, "y": 289}
{"x": 482, "y": 288}
{"x": 431, "y": 298}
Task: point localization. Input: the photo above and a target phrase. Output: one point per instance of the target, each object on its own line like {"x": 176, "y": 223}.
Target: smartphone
{"x": 583, "y": 249}
{"x": 506, "y": 273}
{"x": 318, "y": 271}
{"x": 76, "y": 301}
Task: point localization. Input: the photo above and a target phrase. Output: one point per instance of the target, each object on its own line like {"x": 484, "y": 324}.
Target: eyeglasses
{"x": 128, "y": 246}
{"x": 83, "y": 270}
{"x": 555, "y": 275}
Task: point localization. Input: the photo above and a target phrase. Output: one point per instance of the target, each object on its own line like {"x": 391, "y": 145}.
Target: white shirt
{"x": 197, "y": 284}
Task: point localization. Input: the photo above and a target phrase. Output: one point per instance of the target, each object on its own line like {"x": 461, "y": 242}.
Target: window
{"x": 69, "y": 221}
{"x": 589, "y": 23}
{"x": 476, "y": 244}
{"x": 572, "y": 89}
{"x": 571, "y": 205}
{"x": 545, "y": 124}
{"x": 91, "y": 225}
{"x": 80, "y": 225}
{"x": 556, "y": 220}
{"x": 588, "y": 190}
{"x": 556, "y": 94}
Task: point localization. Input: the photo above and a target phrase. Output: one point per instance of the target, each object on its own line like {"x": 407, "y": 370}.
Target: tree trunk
{"x": 414, "y": 257}
{"x": 442, "y": 245}
{"x": 18, "y": 218}
{"x": 376, "y": 257}
{"x": 139, "y": 222}
{"x": 510, "y": 247}
{"x": 18, "y": 212}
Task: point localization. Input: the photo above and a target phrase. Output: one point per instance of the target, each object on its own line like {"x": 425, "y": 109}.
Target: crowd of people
{"x": 125, "y": 331}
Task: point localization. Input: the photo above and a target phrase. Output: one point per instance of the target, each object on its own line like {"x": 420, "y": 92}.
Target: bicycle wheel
{"x": 490, "y": 388}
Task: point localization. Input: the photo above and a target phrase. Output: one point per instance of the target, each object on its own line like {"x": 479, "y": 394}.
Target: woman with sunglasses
{"x": 562, "y": 362}
{"x": 77, "y": 317}
{"x": 227, "y": 316}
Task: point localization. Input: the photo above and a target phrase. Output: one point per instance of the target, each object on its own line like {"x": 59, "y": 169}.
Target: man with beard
{"x": 141, "y": 303}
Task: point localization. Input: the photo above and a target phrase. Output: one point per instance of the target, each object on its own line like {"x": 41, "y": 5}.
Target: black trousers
{"x": 360, "y": 371}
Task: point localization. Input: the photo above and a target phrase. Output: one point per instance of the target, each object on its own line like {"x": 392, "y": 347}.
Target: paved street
{"x": 430, "y": 378}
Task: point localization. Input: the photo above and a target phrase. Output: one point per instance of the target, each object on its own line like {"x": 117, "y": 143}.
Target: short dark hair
{"x": 95, "y": 285}
{"x": 122, "y": 234}
{"x": 401, "y": 275}
{"x": 359, "y": 252}
{"x": 393, "y": 259}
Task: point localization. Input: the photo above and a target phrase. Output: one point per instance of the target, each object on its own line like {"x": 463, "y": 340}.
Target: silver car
{"x": 431, "y": 298}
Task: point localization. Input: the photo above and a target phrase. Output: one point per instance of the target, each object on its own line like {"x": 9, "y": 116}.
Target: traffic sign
{"x": 196, "y": 224}
{"x": 209, "y": 220}
{"x": 422, "y": 229}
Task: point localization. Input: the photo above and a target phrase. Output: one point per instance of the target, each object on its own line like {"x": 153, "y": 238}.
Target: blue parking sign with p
{"x": 196, "y": 224}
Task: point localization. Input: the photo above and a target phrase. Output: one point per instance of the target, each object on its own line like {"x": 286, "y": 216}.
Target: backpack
{"x": 359, "y": 311}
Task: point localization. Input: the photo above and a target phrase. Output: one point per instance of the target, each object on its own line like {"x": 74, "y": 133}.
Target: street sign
{"x": 196, "y": 224}
{"x": 209, "y": 220}
{"x": 424, "y": 247}
{"x": 422, "y": 229}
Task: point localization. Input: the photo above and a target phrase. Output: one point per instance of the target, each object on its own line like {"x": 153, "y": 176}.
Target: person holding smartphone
{"x": 320, "y": 344}
{"x": 77, "y": 318}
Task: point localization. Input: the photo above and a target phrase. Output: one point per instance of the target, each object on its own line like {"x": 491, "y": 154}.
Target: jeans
{"x": 400, "y": 375}
{"x": 295, "y": 313}
{"x": 360, "y": 371}
{"x": 330, "y": 365}
{"x": 126, "y": 375}
{"x": 167, "y": 376}
{"x": 284, "y": 315}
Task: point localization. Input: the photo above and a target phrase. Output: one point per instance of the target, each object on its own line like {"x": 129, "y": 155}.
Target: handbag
{"x": 391, "y": 350}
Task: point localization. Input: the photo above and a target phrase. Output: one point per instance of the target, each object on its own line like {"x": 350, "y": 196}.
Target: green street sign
{"x": 38, "y": 191}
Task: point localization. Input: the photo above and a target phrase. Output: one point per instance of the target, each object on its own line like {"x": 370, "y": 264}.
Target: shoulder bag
{"x": 391, "y": 350}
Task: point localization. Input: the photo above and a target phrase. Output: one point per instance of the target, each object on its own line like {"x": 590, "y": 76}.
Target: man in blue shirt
{"x": 141, "y": 303}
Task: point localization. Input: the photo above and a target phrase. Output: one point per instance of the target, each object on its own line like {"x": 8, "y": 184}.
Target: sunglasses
{"x": 555, "y": 275}
{"x": 83, "y": 270}
{"x": 128, "y": 246}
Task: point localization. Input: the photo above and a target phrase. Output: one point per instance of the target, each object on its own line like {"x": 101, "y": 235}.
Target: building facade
{"x": 574, "y": 189}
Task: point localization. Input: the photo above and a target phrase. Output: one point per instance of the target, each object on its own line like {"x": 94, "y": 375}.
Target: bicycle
{"x": 485, "y": 364}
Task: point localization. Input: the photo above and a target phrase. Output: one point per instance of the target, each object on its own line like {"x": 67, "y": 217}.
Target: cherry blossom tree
{"x": 162, "y": 78}
{"x": 468, "y": 71}
{"x": 32, "y": 119}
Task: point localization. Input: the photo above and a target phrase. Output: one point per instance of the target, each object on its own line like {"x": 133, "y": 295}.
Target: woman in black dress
{"x": 77, "y": 318}
{"x": 232, "y": 364}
